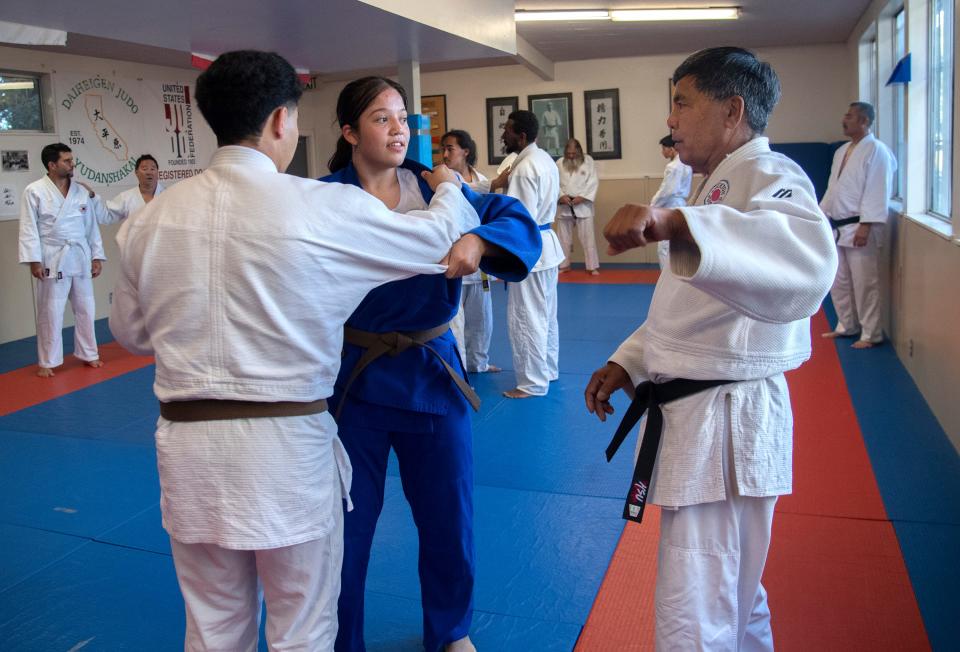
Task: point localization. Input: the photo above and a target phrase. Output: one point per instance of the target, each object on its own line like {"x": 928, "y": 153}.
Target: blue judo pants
{"x": 436, "y": 470}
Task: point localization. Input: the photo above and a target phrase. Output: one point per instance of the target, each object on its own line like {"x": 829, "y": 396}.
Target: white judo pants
{"x": 473, "y": 327}
{"x": 584, "y": 226}
{"x": 222, "y": 592}
{"x": 533, "y": 330}
{"x": 856, "y": 292}
{"x": 52, "y": 298}
{"x": 711, "y": 558}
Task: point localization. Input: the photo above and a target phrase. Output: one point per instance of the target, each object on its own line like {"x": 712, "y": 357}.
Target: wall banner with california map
{"x": 109, "y": 122}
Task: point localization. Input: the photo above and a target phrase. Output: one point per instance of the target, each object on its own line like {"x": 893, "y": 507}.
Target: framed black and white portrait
{"x": 554, "y": 112}
{"x": 498, "y": 110}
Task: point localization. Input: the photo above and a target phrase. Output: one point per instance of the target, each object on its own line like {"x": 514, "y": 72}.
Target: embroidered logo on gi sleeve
{"x": 783, "y": 193}
{"x": 718, "y": 192}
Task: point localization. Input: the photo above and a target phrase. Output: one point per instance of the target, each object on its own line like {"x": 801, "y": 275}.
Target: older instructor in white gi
{"x": 856, "y": 201}
{"x": 751, "y": 258}
{"x": 240, "y": 280}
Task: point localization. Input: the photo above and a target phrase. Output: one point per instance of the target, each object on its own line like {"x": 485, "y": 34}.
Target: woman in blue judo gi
{"x": 402, "y": 383}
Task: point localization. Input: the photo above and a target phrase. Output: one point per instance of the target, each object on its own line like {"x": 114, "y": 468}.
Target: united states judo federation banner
{"x": 176, "y": 134}
{"x": 109, "y": 122}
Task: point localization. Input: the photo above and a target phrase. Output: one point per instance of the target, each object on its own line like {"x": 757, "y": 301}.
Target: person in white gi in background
{"x": 750, "y": 263}
{"x": 532, "y": 303}
{"x": 861, "y": 182}
{"x": 578, "y": 191}
{"x": 473, "y": 325}
{"x": 239, "y": 281}
{"x": 60, "y": 241}
{"x": 673, "y": 190}
{"x": 129, "y": 201}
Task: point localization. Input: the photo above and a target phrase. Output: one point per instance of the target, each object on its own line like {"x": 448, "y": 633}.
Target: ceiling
{"x": 347, "y": 36}
{"x": 762, "y": 23}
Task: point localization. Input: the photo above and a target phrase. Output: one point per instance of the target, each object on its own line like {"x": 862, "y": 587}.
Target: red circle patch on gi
{"x": 718, "y": 192}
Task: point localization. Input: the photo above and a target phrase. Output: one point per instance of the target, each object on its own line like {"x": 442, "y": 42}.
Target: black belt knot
{"x": 648, "y": 399}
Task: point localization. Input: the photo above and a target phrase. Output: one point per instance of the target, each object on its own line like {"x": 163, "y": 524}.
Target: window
{"x": 20, "y": 102}
{"x": 899, "y": 105}
{"x": 940, "y": 106}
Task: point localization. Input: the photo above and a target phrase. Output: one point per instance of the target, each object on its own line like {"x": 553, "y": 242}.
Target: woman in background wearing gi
{"x": 414, "y": 400}
{"x": 473, "y": 325}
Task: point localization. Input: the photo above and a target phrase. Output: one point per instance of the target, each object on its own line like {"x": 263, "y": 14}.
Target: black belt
{"x": 650, "y": 397}
{"x": 395, "y": 343}
{"x": 843, "y": 222}
{"x": 215, "y": 410}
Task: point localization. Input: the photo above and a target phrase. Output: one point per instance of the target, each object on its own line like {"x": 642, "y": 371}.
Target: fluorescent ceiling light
{"x": 625, "y": 15}
{"x": 713, "y": 13}
{"x": 537, "y": 16}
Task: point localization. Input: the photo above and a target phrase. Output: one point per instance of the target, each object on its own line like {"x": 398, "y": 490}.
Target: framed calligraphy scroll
{"x": 602, "y": 109}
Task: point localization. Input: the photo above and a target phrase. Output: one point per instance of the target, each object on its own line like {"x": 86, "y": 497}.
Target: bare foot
{"x": 830, "y": 335}
{"x": 94, "y": 363}
{"x": 564, "y": 270}
{"x": 862, "y": 344}
{"x": 492, "y": 369}
{"x": 517, "y": 393}
{"x": 45, "y": 372}
{"x": 462, "y": 645}
{"x": 594, "y": 272}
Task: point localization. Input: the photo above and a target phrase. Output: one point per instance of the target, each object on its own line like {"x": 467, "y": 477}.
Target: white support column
{"x": 409, "y": 74}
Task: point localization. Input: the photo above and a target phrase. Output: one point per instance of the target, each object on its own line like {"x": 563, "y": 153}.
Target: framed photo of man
{"x": 602, "y": 109}
{"x": 554, "y": 112}
{"x": 435, "y": 107}
{"x": 498, "y": 110}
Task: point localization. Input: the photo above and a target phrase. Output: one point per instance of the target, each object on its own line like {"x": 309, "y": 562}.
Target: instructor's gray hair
{"x": 866, "y": 110}
{"x": 725, "y": 72}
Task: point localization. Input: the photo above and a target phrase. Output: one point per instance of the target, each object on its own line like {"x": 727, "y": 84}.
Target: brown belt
{"x": 394, "y": 343}
{"x": 215, "y": 410}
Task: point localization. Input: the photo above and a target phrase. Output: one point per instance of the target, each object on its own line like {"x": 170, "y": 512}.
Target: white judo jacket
{"x": 125, "y": 204}
{"x": 60, "y": 232}
{"x": 534, "y": 180}
{"x": 240, "y": 280}
{"x": 675, "y": 187}
{"x": 863, "y": 189}
{"x": 736, "y": 306}
{"x": 582, "y": 182}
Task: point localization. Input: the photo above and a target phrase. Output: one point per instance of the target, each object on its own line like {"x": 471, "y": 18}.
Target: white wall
{"x": 16, "y": 297}
{"x": 816, "y": 83}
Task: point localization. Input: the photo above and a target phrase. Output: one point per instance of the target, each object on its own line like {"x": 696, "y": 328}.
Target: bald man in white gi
{"x": 239, "y": 281}
{"x": 751, "y": 258}
{"x": 578, "y": 191}
{"x": 856, "y": 201}
{"x": 532, "y": 303}
{"x": 60, "y": 240}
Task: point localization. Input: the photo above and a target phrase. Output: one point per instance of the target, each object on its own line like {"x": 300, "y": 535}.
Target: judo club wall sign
{"x": 109, "y": 122}
{"x": 97, "y": 118}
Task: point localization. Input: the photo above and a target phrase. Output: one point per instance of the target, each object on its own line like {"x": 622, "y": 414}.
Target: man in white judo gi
{"x": 673, "y": 190}
{"x": 861, "y": 182}
{"x": 60, "y": 241}
{"x": 751, "y": 258}
{"x": 129, "y": 201}
{"x": 532, "y": 303}
{"x": 578, "y": 191}
{"x": 239, "y": 281}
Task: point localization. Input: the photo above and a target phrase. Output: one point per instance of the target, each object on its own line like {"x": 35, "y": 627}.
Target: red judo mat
{"x": 835, "y": 575}
{"x": 611, "y": 276}
{"x": 22, "y": 388}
